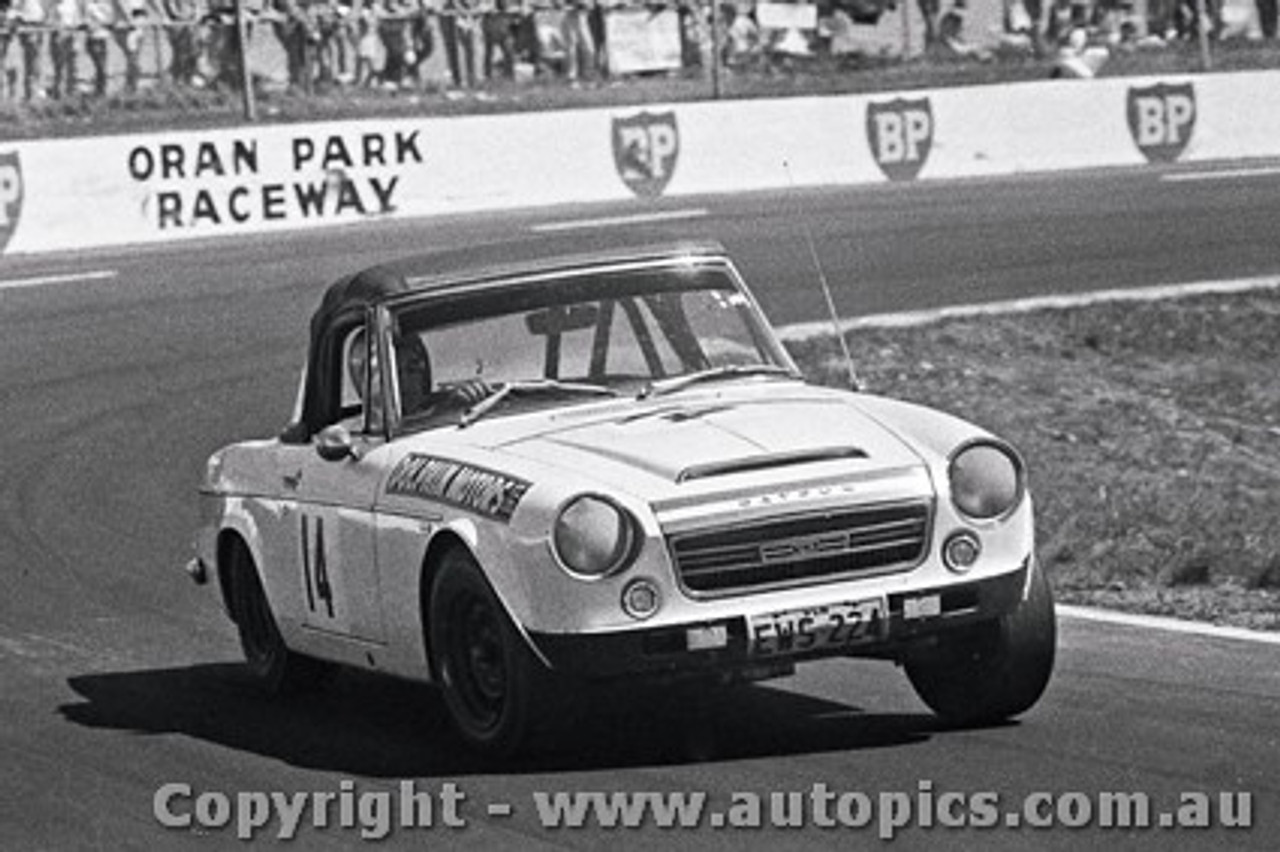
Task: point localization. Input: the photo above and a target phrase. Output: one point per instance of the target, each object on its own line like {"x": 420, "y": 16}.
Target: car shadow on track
{"x": 380, "y": 727}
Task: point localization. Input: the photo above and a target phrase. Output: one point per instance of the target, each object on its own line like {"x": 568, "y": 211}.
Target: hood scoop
{"x": 766, "y": 461}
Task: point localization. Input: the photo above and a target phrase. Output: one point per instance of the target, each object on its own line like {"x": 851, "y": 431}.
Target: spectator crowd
{"x": 44, "y": 44}
{"x": 324, "y": 42}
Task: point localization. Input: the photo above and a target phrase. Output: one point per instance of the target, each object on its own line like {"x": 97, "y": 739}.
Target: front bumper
{"x": 665, "y": 651}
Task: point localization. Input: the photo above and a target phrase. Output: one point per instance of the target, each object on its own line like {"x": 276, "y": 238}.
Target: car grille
{"x": 801, "y": 548}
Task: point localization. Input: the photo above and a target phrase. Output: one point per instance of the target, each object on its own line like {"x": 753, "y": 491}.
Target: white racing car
{"x": 507, "y": 479}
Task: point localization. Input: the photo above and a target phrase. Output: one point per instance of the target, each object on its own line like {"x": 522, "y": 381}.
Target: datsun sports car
{"x": 513, "y": 479}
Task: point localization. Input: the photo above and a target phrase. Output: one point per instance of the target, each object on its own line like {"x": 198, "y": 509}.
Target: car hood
{"x": 705, "y": 437}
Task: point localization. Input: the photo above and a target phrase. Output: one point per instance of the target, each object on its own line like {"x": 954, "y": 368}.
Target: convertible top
{"x": 493, "y": 261}
{"x": 346, "y": 301}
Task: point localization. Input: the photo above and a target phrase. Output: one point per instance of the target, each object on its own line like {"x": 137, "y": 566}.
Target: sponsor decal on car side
{"x": 646, "y": 147}
{"x": 485, "y": 492}
{"x": 900, "y": 133}
{"x": 10, "y": 196}
{"x": 1162, "y": 119}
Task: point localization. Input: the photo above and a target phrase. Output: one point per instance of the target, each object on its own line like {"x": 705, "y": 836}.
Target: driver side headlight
{"x": 986, "y": 480}
{"x": 594, "y": 537}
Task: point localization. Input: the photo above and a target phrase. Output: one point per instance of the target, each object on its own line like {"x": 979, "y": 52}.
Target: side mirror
{"x": 333, "y": 443}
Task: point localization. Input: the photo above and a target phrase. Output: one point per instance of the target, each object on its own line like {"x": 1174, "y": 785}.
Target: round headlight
{"x": 986, "y": 480}
{"x": 594, "y": 537}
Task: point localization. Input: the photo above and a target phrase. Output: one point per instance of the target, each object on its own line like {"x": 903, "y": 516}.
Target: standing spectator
{"x": 458, "y": 25}
{"x": 220, "y": 57}
{"x": 551, "y": 55}
{"x": 331, "y": 20}
{"x": 369, "y": 56}
{"x": 422, "y": 39}
{"x": 31, "y": 36}
{"x": 1022, "y": 27}
{"x": 595, "y": 22}
{"x": 929, "y": 10}
{"x": 63, "y": 46}
{"x": 8, "y": 21}
{"x": 99, "y": 18}
{"x": 133, "y": 17}
{"x": 8, "y": 24}
{"x": 183, "y": 25}
{"x": 579, "y": 41}
{"x": 528, "y": 45}
{"x": 1057, "y": 24}
{"x": 298, "y": 35}
{"x": 1268, "y": 14}
{"x": 395, "y": 29}
{"x": 499, "y": 26}
{"x": 741, "y": 41}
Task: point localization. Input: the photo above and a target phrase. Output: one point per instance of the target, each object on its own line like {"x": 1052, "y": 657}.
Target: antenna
{"x": 826, "y": 285}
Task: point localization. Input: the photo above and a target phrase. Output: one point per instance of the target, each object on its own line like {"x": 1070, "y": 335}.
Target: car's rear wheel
{"x": 492, "y": 685}
{"x": 996, "y": 671}
{"x": 271, "y": 665}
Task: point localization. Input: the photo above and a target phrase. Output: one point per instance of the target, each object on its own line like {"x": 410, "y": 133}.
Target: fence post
{"x": 716, "y": 88}
{"x": 1202, "y": 27}
{"x": 246, "y": 81}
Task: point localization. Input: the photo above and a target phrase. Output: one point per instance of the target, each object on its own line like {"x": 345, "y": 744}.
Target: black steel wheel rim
{"x": 476, "y": 660}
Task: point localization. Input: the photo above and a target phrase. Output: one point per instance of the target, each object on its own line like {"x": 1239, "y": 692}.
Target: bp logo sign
{"x": 645, "y": 149}
{"x": 900, "y": 133}
{"x": 1162, "y": 118}
{"x": 10, "y": 196}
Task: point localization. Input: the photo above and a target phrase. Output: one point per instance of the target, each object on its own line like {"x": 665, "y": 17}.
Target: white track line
{"x": 618, "y": 221}
{"x": 1222, "y": 174}
{"x": 1172, "y": 625}
{"x": 44, "y": 280}
{"x": 801, "y": 331}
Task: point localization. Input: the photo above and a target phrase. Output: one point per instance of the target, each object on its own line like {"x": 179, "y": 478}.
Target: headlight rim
{"x": 628, "y": 553}
{"x": 1019, "y": 470}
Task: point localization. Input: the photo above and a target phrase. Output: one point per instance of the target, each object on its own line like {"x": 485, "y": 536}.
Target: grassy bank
{"x": 1151, "y": 430}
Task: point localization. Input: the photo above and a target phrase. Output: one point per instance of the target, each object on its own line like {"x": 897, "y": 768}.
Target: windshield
{"x": 616, "y": 331}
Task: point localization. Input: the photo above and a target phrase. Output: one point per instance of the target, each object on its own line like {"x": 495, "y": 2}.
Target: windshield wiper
{"x": 731, "y": 371}
{"x": 533, "y": 386}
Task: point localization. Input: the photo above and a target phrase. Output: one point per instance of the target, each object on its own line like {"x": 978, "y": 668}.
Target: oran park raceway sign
{"x": 294, "y": 177}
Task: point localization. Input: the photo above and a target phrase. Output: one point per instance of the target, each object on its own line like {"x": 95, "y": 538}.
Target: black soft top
{"x": 347, "y": 301}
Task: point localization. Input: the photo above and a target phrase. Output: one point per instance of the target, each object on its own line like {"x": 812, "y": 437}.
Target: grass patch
{"x": 1151, "y": 430}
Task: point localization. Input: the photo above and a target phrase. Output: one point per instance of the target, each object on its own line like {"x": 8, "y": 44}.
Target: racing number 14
{"x": 314, "y": 571}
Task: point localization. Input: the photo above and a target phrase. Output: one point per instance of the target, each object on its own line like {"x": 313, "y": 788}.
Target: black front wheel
{"x": 271, "y": 665}
{"x": 493, "y": 686}
{"x": 996, "y": 671}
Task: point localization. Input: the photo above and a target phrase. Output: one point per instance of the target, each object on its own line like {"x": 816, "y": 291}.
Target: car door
{"x": 335, "y": 554}
{"x": 332, "y": 500}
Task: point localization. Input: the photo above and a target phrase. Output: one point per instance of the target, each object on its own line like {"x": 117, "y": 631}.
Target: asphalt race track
{"x": 121, "y": 371}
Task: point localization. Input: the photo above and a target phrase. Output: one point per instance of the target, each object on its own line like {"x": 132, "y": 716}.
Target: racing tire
{"x": 272, "y": 667}
{"x": 995, "y": 672}
{"x": 495, "y": 690}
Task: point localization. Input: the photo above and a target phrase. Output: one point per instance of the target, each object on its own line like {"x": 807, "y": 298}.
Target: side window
{"x": 355, "y": 361}
{"x": 360, "y": 377}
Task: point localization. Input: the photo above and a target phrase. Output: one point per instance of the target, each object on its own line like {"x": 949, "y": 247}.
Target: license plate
{"x": 796, "y": 631}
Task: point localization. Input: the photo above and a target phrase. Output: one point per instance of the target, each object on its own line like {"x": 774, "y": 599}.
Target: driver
{"x": 417, "y": 396}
